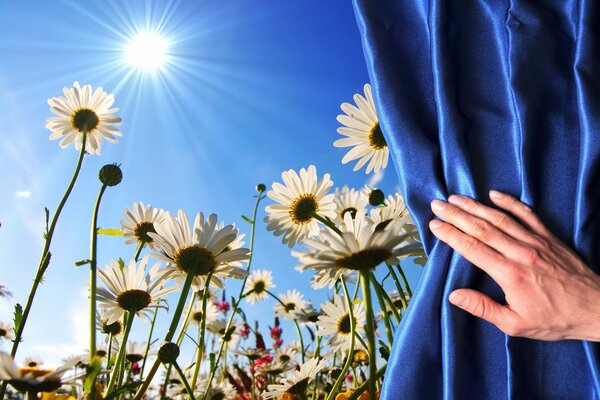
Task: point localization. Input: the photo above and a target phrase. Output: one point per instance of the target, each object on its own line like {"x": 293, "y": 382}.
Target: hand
{"x": 551, "y": 294}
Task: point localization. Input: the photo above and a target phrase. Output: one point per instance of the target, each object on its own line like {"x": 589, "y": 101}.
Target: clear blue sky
{"x": 252, "y": 88}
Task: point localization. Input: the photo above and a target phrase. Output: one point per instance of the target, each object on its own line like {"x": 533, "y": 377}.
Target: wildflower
{"x": 83, "y": 112}
{"x": 295, "y": 386}
{"x": 138, "y": 222}
{"x": 30, "y": 379}
{"x": 110, "y": 175}
{"x": 393, "y": 209}
{"x": 259, "y": 283}
{"x": 7, "y": 331}
{"x": 211, "y": 312}
{"x": 335, "y": 323}
{"x": 363, "y": 134}
{"x": 135, "y": 351}
{"x": 291, "y": 302}
{"x": 348, "y": 201}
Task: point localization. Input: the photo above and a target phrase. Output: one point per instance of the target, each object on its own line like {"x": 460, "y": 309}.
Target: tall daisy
{"x": 200, "y": 250}
{"x": 212, "y": 313}
{"x": 335, "y": 323}
{"x": 135, "y": 351}
{"x": 296, "y": 385}
{"x": 138, "y": 222}
{"x": 132, "y": 289}
{"x": 348, "y": 201}
{"x": 393, "y": 208}
{"x": 363, "y": 134}
{"x": 299, "y": 200}
{"x": 259, "y": 282}
{"x": 83, "y": 112}
{"x": 292, "y": 301}
{"x": 31, "y": 379}
{"x": 6, "y": 331}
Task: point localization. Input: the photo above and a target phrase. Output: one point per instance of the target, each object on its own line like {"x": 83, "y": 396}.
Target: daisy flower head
{"x": 110, "y": 329}
{"x": 348, "y": 201}
{"x": 295, "y": 386}
{"x": 358, "y": 248}
{"x": 259, "y": 282}
{"x": 31, "y": 379}
{"x": 138, "y": 222}
{"x": 83, "y": 112}
{"x": 363, "y": 134}
{"x": 219, "y": 328}
{"x": 132, "y": 289}
{"x": 292, "y": 301}
{"x": 6, "y": 331}
{"x": 135, "y": 351}
{"x": 299, "y": 200}
{"x": 335, "y": 323}
{"x": 212, "y": 313}
{"x": 203, "y": 249}
{"x": 218, "y": 391}
{"x": 393, "y": 208}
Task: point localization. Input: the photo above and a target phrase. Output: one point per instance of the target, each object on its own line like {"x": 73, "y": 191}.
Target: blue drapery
{"x": 474, "y": 95}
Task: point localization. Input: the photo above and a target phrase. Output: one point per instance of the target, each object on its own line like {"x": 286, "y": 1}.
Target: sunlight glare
{"x": 147, "y": 51}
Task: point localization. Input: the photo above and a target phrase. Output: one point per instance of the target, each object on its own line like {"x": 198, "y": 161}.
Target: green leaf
{"x": 109, "y": 232}
{"x": 83, "y": 262}
{"x": 92, "y": 372}
{"x": 248, "y": 220}
{"x": 18, "y": 317}
{"x": 212, "y": 357}
{"x": 121, "y": 263}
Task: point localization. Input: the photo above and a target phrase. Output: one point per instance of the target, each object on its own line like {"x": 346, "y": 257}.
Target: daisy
{"x": 336, "y": 322}
{"x": 393, "y": 208}
{"x": 307, "y": 314}
{"x": 218, "y": 327}
{"x": 109, "y": 329}
{"x": 6, "y": 331}
{"x": 31, "y": 379}
{"x": 83, "y": 112}
{"x": 292, "y": 301}
{"x": 348, "y": 201}
{"x": 212, "y": 313}
{"x": 286, "y": 355}
{"x": 138, "y": 222}
{"x": 363, "y": 134}
{"x": 219, "y": 391}
{"x": 135, "y": 351}
{"x": 201, "y": 250}
{"x": 358, "y": 248}
{"x": 300, "y": 198}
{"x": 296, "y": 385}
{"x": 132, "y": 289}
{"x": 32, "y": 362}
{"x": 259, "y": 282}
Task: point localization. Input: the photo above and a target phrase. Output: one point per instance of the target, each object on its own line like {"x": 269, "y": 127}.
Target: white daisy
{"x": 393, "y": 208}
{"x": 138, "y": 222}
{"x": 201, "y": 250}
{"x": 358, "y": 248}
{"x": 296, "y": 385}
{"x": 293, "y": 301}
{"x": 348, "y": 201}
{"x": 108, "y": 328}
{"x": 363, "y": 134}
{"x": 134, "y": 352}
{"x": 259, "y": 282}
{"x": 335, "y": 323}
{"x": 300, "y": 198}
{"x": 218, "y": 327}
{"x": 83, "y": 112}
{"x": 218, "y": 391}
{"x": 31, "y": 379}
{"x": 212, "y": 313}
{"x": 132, "y": 289}
{"x": 307, "y": 314}
{"x": 7, "y": 331}
{"x": 285, "y": 355}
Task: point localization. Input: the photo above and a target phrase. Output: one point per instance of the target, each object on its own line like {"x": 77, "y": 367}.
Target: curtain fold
{"x": 479, "y": 95}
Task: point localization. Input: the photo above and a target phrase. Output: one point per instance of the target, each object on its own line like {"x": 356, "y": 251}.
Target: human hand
{"x": 551, "y": 294}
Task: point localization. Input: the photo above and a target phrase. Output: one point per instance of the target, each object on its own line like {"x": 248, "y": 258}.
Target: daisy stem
{"x": 360, "y": 390}
{"x": 398, "y": 285}
{"x": 365, "y": 280}
{"x": 205, "y": 295}
{"x": 385, "y": 298}
{"x": 317, "y": 355}
{"x": 138, "y": 251}
{"x": 346, "y": 367}
{"x": 235, "y": 304}
{"x": 404, "y": 280}
{"x": 295, "y": 323}
{"x": 118, "y": 370}
{"x": 184, "y": 380}
{"x": 149, "y": 340}
{"x": 169, "y": 336}
{"x": 327, "y": 222}
{"x": 384, "y": 313}
{"x": 45, "y": 259}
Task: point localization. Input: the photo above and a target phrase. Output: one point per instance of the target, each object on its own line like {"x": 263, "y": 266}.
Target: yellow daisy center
{"x": 85, "y": 120}
{"x": 195, "y": 260}
{"x": 297, "y": 389}
{"x": 303, "y": 208}
{"x": 112, "y": 329}
{"x": 133, "y": 357}
{"x": 350, "y": 210}
{"x": 141, "y": 231}
{"x": 259, "y": 287}
{"x": 343, "y": 324}
{"x": 3, "y": 332}
{"x": 365, "y": 259}
{"x": 290, "y": 307}
{"x": 134, "y": 300}
{"x": 376, "y": 139}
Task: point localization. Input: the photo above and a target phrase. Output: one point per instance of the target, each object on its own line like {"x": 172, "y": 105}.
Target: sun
{"x": 147, "y": 51}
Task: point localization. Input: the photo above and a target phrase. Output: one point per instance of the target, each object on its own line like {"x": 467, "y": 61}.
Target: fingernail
{"x": 496, "y": 195}
{"x": 438, "y": 205}
{"x": 457, "y": 199}
{"x": 435, "y": 224}
{"x": 457, "y": 299}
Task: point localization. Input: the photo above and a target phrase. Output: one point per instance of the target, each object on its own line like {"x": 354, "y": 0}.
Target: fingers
{"x": 521, "y": 211}
{"x": 484, "y": 307}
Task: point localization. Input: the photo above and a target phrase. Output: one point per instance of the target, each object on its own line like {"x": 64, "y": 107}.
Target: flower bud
{"x": 376, "y": 197}
{"x": 110, "y": 175}
{"x": 261, "y": 187}
{"x": 168, "y": 353}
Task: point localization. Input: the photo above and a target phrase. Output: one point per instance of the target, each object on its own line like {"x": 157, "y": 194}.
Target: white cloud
{"x": 376, "y": 178}
{"x": 23, "y": 194}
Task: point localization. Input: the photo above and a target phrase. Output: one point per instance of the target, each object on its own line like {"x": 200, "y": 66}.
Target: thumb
{"x": 482, "y": 306}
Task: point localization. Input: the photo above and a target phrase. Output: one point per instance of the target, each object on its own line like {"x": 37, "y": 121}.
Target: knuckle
{"x": 499, "y": 219}
{"x": 531, "y": 255}
{"x": 512, "y": 327}
{"x": 470, "y": 244}
{"x": 479, "y": 309}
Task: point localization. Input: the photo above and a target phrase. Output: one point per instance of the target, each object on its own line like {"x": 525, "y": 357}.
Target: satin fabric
{"x": 475, "y": 95}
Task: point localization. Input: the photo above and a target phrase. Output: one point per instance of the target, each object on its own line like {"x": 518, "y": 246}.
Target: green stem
{"x": 404, "y": 280}
{"x": 384, "y": 313}
{"x": 348, "y": 362}
{"x": 327, "y": 222}
{"x": 398, "y": 285}
{"x": 380, "y": 291}
{"x": 298, "y": 331}
{"x": 365, "y": 385}
{"x": 93, "y": 281}
{"x": 317, "y": 355}
{"x": 149, "y": 342}
{"x": 365, "y": 278}
{"x": 169, "y": 336}
{"x": 205, "y": 295}
{"x": 184, "y": 380}
{"x": 117, "y": 372}
{"x": 138, "y": 251}
{"x": 235, "y": 304}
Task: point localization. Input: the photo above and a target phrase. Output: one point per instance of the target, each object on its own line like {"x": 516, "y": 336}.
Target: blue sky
{"x": 251, "y": 89}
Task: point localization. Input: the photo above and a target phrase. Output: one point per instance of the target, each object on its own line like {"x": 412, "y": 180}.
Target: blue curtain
{"x": 474, "y": 95}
